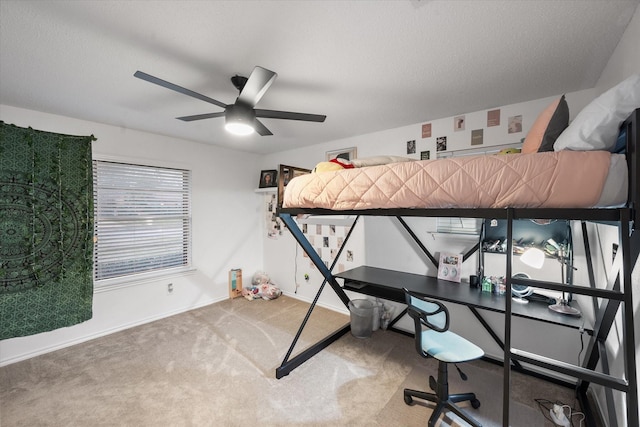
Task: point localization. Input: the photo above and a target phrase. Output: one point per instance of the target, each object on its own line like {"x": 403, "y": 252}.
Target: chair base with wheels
{"x": 445, "y": 346}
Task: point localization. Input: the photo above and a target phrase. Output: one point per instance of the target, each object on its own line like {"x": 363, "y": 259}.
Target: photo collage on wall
{"x": 514, "y": 125}
{"x": 327, "y": 240}
{"x": 274, "y": 224}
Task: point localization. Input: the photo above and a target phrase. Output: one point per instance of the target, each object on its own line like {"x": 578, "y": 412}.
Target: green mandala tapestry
{"x": 46, "y": 230}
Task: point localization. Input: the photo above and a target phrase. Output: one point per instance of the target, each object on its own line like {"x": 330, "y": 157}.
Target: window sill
{"x": 139, "y": 279}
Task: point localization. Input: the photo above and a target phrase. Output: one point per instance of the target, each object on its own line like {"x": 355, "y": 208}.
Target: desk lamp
{"x": 535, "y": 258}
{"x": 562, "y": 306}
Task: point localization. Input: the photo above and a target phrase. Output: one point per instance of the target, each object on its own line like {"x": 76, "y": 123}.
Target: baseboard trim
{"x": 341, "y": 310}
{"x": 105, "y": 332}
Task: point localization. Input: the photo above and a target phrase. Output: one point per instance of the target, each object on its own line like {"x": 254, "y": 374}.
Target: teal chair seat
{"x": 449, "y": 347}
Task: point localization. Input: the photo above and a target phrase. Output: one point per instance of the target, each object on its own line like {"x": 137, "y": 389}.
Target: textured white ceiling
{"x": 367, "y": 65}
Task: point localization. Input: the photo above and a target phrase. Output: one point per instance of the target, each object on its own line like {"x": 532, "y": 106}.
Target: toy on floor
{"x": 261, "y": 288}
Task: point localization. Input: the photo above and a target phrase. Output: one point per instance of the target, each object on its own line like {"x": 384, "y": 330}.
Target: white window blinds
{"x": 142, "y": 219}
{"x": 459, "y": 225}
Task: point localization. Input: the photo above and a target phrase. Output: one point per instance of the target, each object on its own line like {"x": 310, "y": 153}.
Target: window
{"x": 459, "y": 225}
{"x": 142, "y": 219}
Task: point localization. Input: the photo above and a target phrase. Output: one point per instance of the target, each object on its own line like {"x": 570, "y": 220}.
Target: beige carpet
{"x": 215, "y": 366}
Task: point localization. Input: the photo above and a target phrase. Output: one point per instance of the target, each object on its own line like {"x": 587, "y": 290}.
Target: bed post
{"x": 633, "y": 161}
{"x": 506, "y": 388}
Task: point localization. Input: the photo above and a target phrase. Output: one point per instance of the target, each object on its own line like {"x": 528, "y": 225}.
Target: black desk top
{"x": 388, "y": 284}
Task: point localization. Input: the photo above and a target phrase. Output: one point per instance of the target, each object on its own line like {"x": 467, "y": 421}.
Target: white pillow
{"x": 596, "y": 127}
{"x": 379, "y": 160}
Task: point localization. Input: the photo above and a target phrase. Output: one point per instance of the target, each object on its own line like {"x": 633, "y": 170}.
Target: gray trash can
{"x": 361, "y": 318}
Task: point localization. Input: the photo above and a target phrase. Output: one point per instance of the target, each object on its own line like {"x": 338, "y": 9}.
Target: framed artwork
{"x": 411, "y": 146}
{"x": 477, "y": 136}
{"x": 345, "y": 153}
{"x": 450, "y": 266}
{"x": 426, "y": 130}
{"x": 268, "y": 178}
{"x": 286, "y": 174}
{"x": 493, "y": 118}
{"x": 515, "y": 124}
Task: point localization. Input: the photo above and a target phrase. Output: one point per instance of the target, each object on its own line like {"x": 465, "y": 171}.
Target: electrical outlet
{"x": 169, "y": 288}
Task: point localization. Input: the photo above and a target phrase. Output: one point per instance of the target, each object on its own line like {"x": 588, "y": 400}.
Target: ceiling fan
{"x": 241, "y": 118}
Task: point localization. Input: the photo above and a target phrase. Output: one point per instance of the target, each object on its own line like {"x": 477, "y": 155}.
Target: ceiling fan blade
{"x": 258, "y": 83}
{"x": 287, "y": 115}
{"x": 179, "y": 89}
{"x": 201, "y": 116}
{"x": 261, "y": 128}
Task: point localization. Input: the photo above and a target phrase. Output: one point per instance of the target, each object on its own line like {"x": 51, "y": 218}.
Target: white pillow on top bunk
{"x": 596, "y": 127}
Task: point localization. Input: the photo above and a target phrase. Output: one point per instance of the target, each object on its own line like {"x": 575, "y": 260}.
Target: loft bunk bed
{"x": 367, "y": 192}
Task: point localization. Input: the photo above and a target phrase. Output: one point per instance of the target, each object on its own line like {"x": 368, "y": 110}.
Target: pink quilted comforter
{"x": 565, "y": 179}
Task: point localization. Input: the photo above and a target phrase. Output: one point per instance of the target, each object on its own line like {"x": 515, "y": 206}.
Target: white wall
{"x": 226, "y": 227}
{"x": 625, "y": 60}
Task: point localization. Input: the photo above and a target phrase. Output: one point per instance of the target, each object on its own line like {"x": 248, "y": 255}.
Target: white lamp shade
{"x": 533, "y": 257}
{"x": 239, "y": 128}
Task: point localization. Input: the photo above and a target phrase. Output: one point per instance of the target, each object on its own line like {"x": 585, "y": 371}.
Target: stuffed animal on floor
{"x": 261, "y": 288}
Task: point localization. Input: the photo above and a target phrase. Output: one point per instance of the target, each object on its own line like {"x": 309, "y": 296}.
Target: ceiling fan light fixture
{"x": 239, "y": 120}
{"x": 239, "y": 128}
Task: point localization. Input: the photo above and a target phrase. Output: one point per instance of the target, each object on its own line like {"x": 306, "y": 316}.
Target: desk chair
{"x": 445, "y": 346}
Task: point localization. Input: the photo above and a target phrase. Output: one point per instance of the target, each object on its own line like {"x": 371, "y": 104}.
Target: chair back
{"x": 431, "y": 313}
{"x": 424, "y": 311}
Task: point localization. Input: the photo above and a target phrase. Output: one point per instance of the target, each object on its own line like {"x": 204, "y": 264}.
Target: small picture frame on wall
{"x": 515, "y": 124}
{"x": 426, "y": 130}
{"x": 345, "y": 153}
{"x": 268, "y": 178}
{"x": 411, "y": 146}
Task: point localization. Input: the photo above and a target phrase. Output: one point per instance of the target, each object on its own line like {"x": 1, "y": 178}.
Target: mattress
{"x": 564, "y": 179}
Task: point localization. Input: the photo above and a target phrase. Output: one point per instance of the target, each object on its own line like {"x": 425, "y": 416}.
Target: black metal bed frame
{"x": 617, "y": 293}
